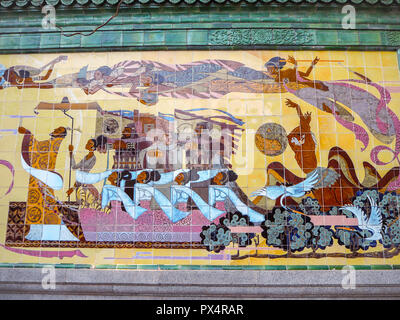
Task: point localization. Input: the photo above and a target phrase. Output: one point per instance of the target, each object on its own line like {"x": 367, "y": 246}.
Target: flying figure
{"x": 296, "y": 191}
{"x": 374, "y": 224}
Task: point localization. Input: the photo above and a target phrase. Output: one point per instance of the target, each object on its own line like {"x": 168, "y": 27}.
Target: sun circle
{"x": 271, "y": 139}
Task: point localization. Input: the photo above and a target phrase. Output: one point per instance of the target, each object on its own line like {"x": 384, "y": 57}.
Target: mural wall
{"x": 200, "y": 158}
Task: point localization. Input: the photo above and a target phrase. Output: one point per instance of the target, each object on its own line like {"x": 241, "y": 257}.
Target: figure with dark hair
{"x": 222, "y": 188}
{"x": 147, "y": 176}
{"x": 101, "y": 144}
{"x": 223, "y": 177}
{"x": 183, "y": 178}
{"x": 335, "y": 97}
{"x": 86, "y": 164}
{"x": 182, "y": 192}
{"x": 144, "y": 177}
{"x": 202, "y": 188}
{"x": 26, "y": 76}
{"x": 275, "y": 69}
{"x": 122, "y": 188}
{"x": 102, "y": 77}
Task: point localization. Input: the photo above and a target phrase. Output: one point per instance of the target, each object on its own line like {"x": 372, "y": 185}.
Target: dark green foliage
{"x": 322, "y": 236}
{"x": 389, "y": 205}
{"x": 217, "y": 237}
{"x": 293, "y": 232}
{"x": 236, "y": 219}
{"x": 288, "y": 230}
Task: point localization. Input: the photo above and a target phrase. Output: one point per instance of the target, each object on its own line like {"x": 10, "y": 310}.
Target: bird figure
{"x": 374, "y": 224}
{"x": 296, "y": 191}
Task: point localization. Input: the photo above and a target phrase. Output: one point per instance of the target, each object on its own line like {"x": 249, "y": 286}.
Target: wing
{"x": 360, "y": 215}
{"x": 271, "y": 192}
{"x": 304, "y": 186}
{"x": 327, "y": 177}
{"x": 259, "y": 192}
{"x": 375, "y": 218}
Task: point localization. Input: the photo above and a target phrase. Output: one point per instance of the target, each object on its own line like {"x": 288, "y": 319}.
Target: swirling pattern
{"x": 34, "y": 214}
{"x": 271, "y": 139}
{"x": 42, "y": 205}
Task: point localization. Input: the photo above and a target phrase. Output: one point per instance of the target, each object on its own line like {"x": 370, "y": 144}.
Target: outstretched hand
{"x": 61, "y": 58}
{"x": 315, "y": 61}
{"x": 291, "y": 60}
{"x": 289, "y": 103}
{"x": 307, "y": 115}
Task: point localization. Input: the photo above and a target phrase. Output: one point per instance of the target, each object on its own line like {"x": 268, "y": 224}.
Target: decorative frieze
{"x": 262, "y": 37}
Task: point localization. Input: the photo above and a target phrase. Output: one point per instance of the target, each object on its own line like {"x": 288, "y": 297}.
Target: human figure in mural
{"x": 223, "y": 188}
{"x": 275, "y": 69}
{"x": 127, "y": 148}
{"x": 148, "y": 80}
{"x": 302, "y": 140}
{"x": 334, "y": 96}
{"x": 182, "y": 178}
{"x": 337, "y": 183}
{"x": 139, "y": 186}
{"x": 183, "y": 192}
{"x": 21, "y": 76}
{"x": 85, "y": 165}
{"x": 39, "y": 159}
{"x": 213, "y": 79}
{"x": 332, "y": 187}
{"x": 202, "y": 192}
{"x": 144, "y": 177}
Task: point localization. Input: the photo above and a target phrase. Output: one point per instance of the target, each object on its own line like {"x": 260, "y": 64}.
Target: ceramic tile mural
{"x": 232, "y": 158}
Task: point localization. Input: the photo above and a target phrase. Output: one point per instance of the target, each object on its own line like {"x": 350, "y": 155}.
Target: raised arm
{"x": 49, "y": 67}
{"x": 307, "y": 73}
{"x": 304, "y": 119}
{"x": 46, "y": 76}
{"x": 53, "y": 62}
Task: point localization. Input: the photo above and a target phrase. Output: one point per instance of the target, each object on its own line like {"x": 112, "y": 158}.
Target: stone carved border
{"x": 261, "y": 37}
